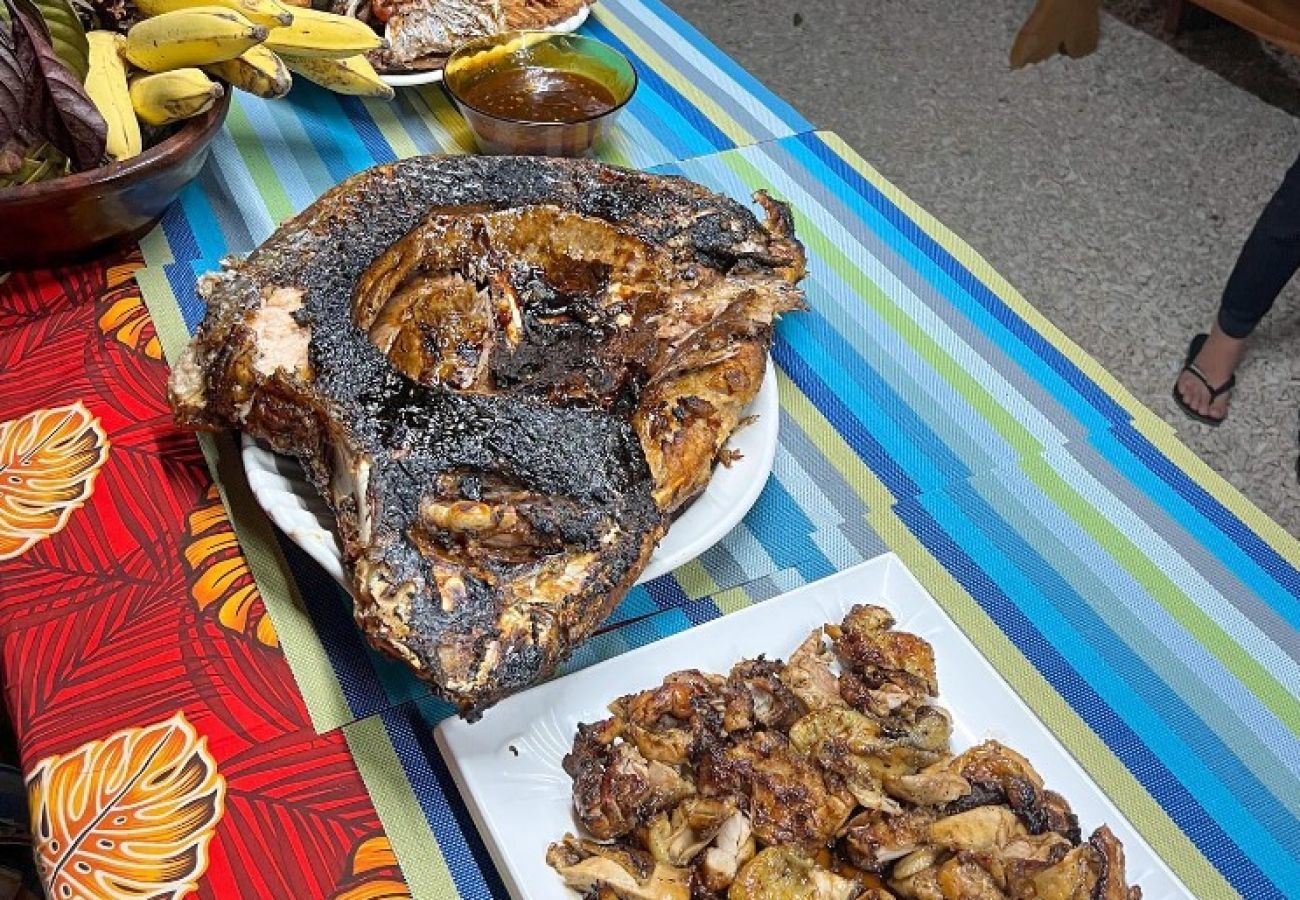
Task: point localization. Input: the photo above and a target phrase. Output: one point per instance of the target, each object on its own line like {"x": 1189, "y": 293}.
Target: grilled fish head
{"x": 505, "y": 375}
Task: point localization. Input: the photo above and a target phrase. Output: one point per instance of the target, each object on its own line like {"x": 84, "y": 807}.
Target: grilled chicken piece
{"x": 850, "y": 751}
{"x": 855, "y": 754}
{"x": 504, "y": 375}
{"x": 665, "y": 721}
{"x": 962, "y": 878}
{"x": 924, "y": 726}
{"x": 615, "y": 788}
{"x": 981, "y": 828}
{"x": 890, "y": 667}
{"x": 789, "y": 802}
{"x": 1094, "y": 870}
{"x": 755, "y": 695}
{"x": 733, "y": 846}
{"x": 998, "y": 774}
{"x": 928, "y": 787}
{"x": 875, "y": 838}
{"x": 677, "y": 839}
{"x": 780, "y": 873}
{"x": 797, "y": 795}
{"x": 611, "y": 873}
{"x": 808, "y": 673}
{"x": 858, "y": 733}
{"x": 994, "y": 859}
{"x": 1047, "y": 848}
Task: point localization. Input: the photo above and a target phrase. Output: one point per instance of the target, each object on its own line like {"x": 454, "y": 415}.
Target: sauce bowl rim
{"x": 485, "y": 43}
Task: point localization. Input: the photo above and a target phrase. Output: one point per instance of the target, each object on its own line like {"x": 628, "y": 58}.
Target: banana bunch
{"x": 172, "y": 64}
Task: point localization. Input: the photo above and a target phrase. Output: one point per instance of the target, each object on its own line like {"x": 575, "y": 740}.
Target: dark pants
{"x": 1269, "y": 258}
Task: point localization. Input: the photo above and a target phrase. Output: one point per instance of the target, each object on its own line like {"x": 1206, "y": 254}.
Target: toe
{"x": 1219, "y": 408}
{"x": 1190, "y": 390}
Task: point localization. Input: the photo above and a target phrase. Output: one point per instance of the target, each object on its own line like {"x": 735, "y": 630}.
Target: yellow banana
{"x": 321, "y": 34}
{"x": 260, "y": 12}
{"x": 351, "y": 75}
{"x": 171, "y": 96}
{"x": 190, "y": 37}
{"x": 107, "y": 88}
{"x": 257, "y": 70}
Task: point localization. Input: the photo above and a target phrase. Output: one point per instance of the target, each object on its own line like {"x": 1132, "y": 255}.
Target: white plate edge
{"x": 415, "y": 79}
{"x": 766, "y": 406}
{"x": 898, "y": 569}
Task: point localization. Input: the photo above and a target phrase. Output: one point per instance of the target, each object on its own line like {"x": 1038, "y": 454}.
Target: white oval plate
{"x": 292, "y": 503}
{"x": 433, "y": 76}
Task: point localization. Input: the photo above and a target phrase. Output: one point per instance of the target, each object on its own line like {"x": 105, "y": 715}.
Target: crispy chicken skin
{"x": 504, "y": 375}
{"x": 782, "y": 788}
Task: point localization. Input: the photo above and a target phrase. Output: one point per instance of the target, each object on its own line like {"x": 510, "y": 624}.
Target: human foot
{"x": 1207, "y": 377}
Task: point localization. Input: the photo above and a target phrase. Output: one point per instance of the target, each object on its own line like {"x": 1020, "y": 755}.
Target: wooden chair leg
{"x": 1174, "y": 11}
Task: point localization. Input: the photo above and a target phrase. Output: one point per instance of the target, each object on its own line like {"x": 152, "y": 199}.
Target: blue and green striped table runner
{"x": 1140, "y": 605}
{"x": 275, "y": 157}
{"x": 1132, "y": 598}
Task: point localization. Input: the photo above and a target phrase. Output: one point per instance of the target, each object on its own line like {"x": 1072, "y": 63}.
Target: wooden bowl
{"x": 89, "y": 213}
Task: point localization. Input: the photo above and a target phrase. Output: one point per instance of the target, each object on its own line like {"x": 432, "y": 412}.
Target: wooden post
{"x": 1174, "y": 11}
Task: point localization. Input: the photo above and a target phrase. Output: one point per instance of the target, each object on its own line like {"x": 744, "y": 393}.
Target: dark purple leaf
{"x": 14, "y": 131}
{"x": 55, "y": 104}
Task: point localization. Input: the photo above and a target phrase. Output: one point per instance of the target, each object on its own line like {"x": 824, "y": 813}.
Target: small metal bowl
{"x": 572, "y": 53}
{"x": 88, "y": 213}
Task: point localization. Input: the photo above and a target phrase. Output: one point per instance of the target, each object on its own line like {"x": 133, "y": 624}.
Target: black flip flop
{"x": 1189, "y": 366}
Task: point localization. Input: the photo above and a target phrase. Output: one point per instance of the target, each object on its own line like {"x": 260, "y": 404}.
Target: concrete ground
{"x": 1113, "y": 191}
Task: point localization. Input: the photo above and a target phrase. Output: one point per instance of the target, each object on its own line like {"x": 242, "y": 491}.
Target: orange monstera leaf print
{"x": 374, "y": 874}
{"x": 123, "y": 314}
{"x": 48, "y": 462}
{"x": 127, "y": 817}
{"x": 219, "y": 575}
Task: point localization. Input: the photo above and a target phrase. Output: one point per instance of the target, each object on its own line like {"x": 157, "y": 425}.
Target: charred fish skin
{"x": 500, "y": 484}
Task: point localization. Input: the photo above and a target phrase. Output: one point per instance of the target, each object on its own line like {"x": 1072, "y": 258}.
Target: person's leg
{"x": 1268, "y": 260}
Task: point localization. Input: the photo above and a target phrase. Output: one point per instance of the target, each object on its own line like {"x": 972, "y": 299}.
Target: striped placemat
{"x": 1143, "y": 608}
{"x": 275, "y": 157}
{"x": 1139, "y": 605}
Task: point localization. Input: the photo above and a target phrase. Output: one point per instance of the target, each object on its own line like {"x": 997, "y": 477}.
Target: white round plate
{"x": 282, "y": 489}
{"x": 433, "y": 76}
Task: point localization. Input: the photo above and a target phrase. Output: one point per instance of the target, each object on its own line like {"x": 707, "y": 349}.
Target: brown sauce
{"x": 540, "y": 95}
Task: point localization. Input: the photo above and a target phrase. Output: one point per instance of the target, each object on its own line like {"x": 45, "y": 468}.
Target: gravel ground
{"x": 1113, "y": 191}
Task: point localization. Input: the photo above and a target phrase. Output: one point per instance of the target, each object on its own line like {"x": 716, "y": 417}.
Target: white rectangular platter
{"x": 507, "y": 765}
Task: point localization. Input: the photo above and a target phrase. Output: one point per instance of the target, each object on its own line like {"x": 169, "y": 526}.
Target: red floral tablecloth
{"x": 164, "y": 744}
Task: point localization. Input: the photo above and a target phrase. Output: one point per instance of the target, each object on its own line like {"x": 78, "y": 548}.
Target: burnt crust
{"x": 348, "y": 401}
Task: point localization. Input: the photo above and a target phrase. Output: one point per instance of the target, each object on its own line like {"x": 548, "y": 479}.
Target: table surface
{"x": 164, "y": 651}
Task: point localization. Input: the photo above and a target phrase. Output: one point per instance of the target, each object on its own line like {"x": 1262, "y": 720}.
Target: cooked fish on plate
{"x": 505, "y": 376}
{"x": 421, "y": 34}
{"x": 282, "y": 489}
